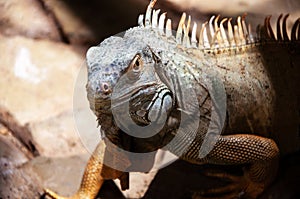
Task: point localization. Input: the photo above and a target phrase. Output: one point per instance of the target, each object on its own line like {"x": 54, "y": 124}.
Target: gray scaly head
{"x": 122, "y": 70}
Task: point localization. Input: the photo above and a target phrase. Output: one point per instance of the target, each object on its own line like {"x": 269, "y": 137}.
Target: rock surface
{"x": 28, "y": 18}
{"x": 236, "y": 7}
{"x": 16, "y": 179}
{"x": 89, "y": 23}
{"x": 41, "y": 76}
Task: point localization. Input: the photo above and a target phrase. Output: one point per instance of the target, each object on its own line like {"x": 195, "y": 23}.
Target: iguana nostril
{"x": 105, "y": 88}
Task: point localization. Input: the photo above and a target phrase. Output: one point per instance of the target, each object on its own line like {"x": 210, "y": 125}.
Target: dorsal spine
{"x": 237, "y": 37}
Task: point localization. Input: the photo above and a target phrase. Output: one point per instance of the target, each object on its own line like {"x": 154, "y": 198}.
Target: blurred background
{"x": 42, "y": 51}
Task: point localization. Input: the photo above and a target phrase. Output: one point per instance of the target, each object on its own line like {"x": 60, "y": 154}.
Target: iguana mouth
{"x": 126, "y": 97}
{"x": 104, "y": 104}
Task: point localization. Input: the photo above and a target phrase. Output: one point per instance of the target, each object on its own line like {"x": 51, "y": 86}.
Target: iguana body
{"x": 179, "y": 78}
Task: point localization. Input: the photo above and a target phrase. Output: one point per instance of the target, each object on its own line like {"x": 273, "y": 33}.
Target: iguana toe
{"x": 238, "y": 187}
{"x": 53, "y": 195}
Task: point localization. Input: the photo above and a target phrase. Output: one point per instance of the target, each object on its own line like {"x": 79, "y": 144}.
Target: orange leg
{"x": 95, "y": 173}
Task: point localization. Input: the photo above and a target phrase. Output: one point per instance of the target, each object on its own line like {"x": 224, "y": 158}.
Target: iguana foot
{"x": 79, "y": 195}
{"x": 239, "y": 187}
{"x": 53, "y": 195}
{"x": 258, "y": 153}
{"x": 236, "y": 189}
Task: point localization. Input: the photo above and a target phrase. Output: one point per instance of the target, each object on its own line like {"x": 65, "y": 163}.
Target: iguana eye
{"x": 105, "y": 88}
{"x": 135, "y": 67}
{"x": 137, "y": 64}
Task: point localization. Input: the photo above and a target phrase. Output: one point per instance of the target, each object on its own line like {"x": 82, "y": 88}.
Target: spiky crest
{"x": 237, "y": 36}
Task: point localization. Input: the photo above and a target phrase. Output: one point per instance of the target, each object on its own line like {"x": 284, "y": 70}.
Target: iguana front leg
{"x": 95, "y": 173}
{"x": 259, "y": 153}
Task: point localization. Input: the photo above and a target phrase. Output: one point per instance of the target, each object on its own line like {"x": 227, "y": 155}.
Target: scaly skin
{"x": 150, "y": 68}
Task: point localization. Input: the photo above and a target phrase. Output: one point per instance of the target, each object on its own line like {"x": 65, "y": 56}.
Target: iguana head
{"x": 127, "y": 70}
{"x": 122, "y": 70}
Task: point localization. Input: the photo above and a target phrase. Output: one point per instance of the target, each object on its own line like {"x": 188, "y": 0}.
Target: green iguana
{"x": 225, "y": 97}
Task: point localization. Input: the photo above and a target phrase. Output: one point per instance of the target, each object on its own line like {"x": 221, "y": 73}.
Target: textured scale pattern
{"x": 242, "y": 60}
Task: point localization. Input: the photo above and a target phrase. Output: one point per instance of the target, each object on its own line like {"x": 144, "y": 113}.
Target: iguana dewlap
{"x": 192, "y": 86}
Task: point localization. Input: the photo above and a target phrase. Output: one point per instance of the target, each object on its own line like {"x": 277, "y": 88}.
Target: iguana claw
{"x": 53, "y": 195}
{"x": 239, "y": 187}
